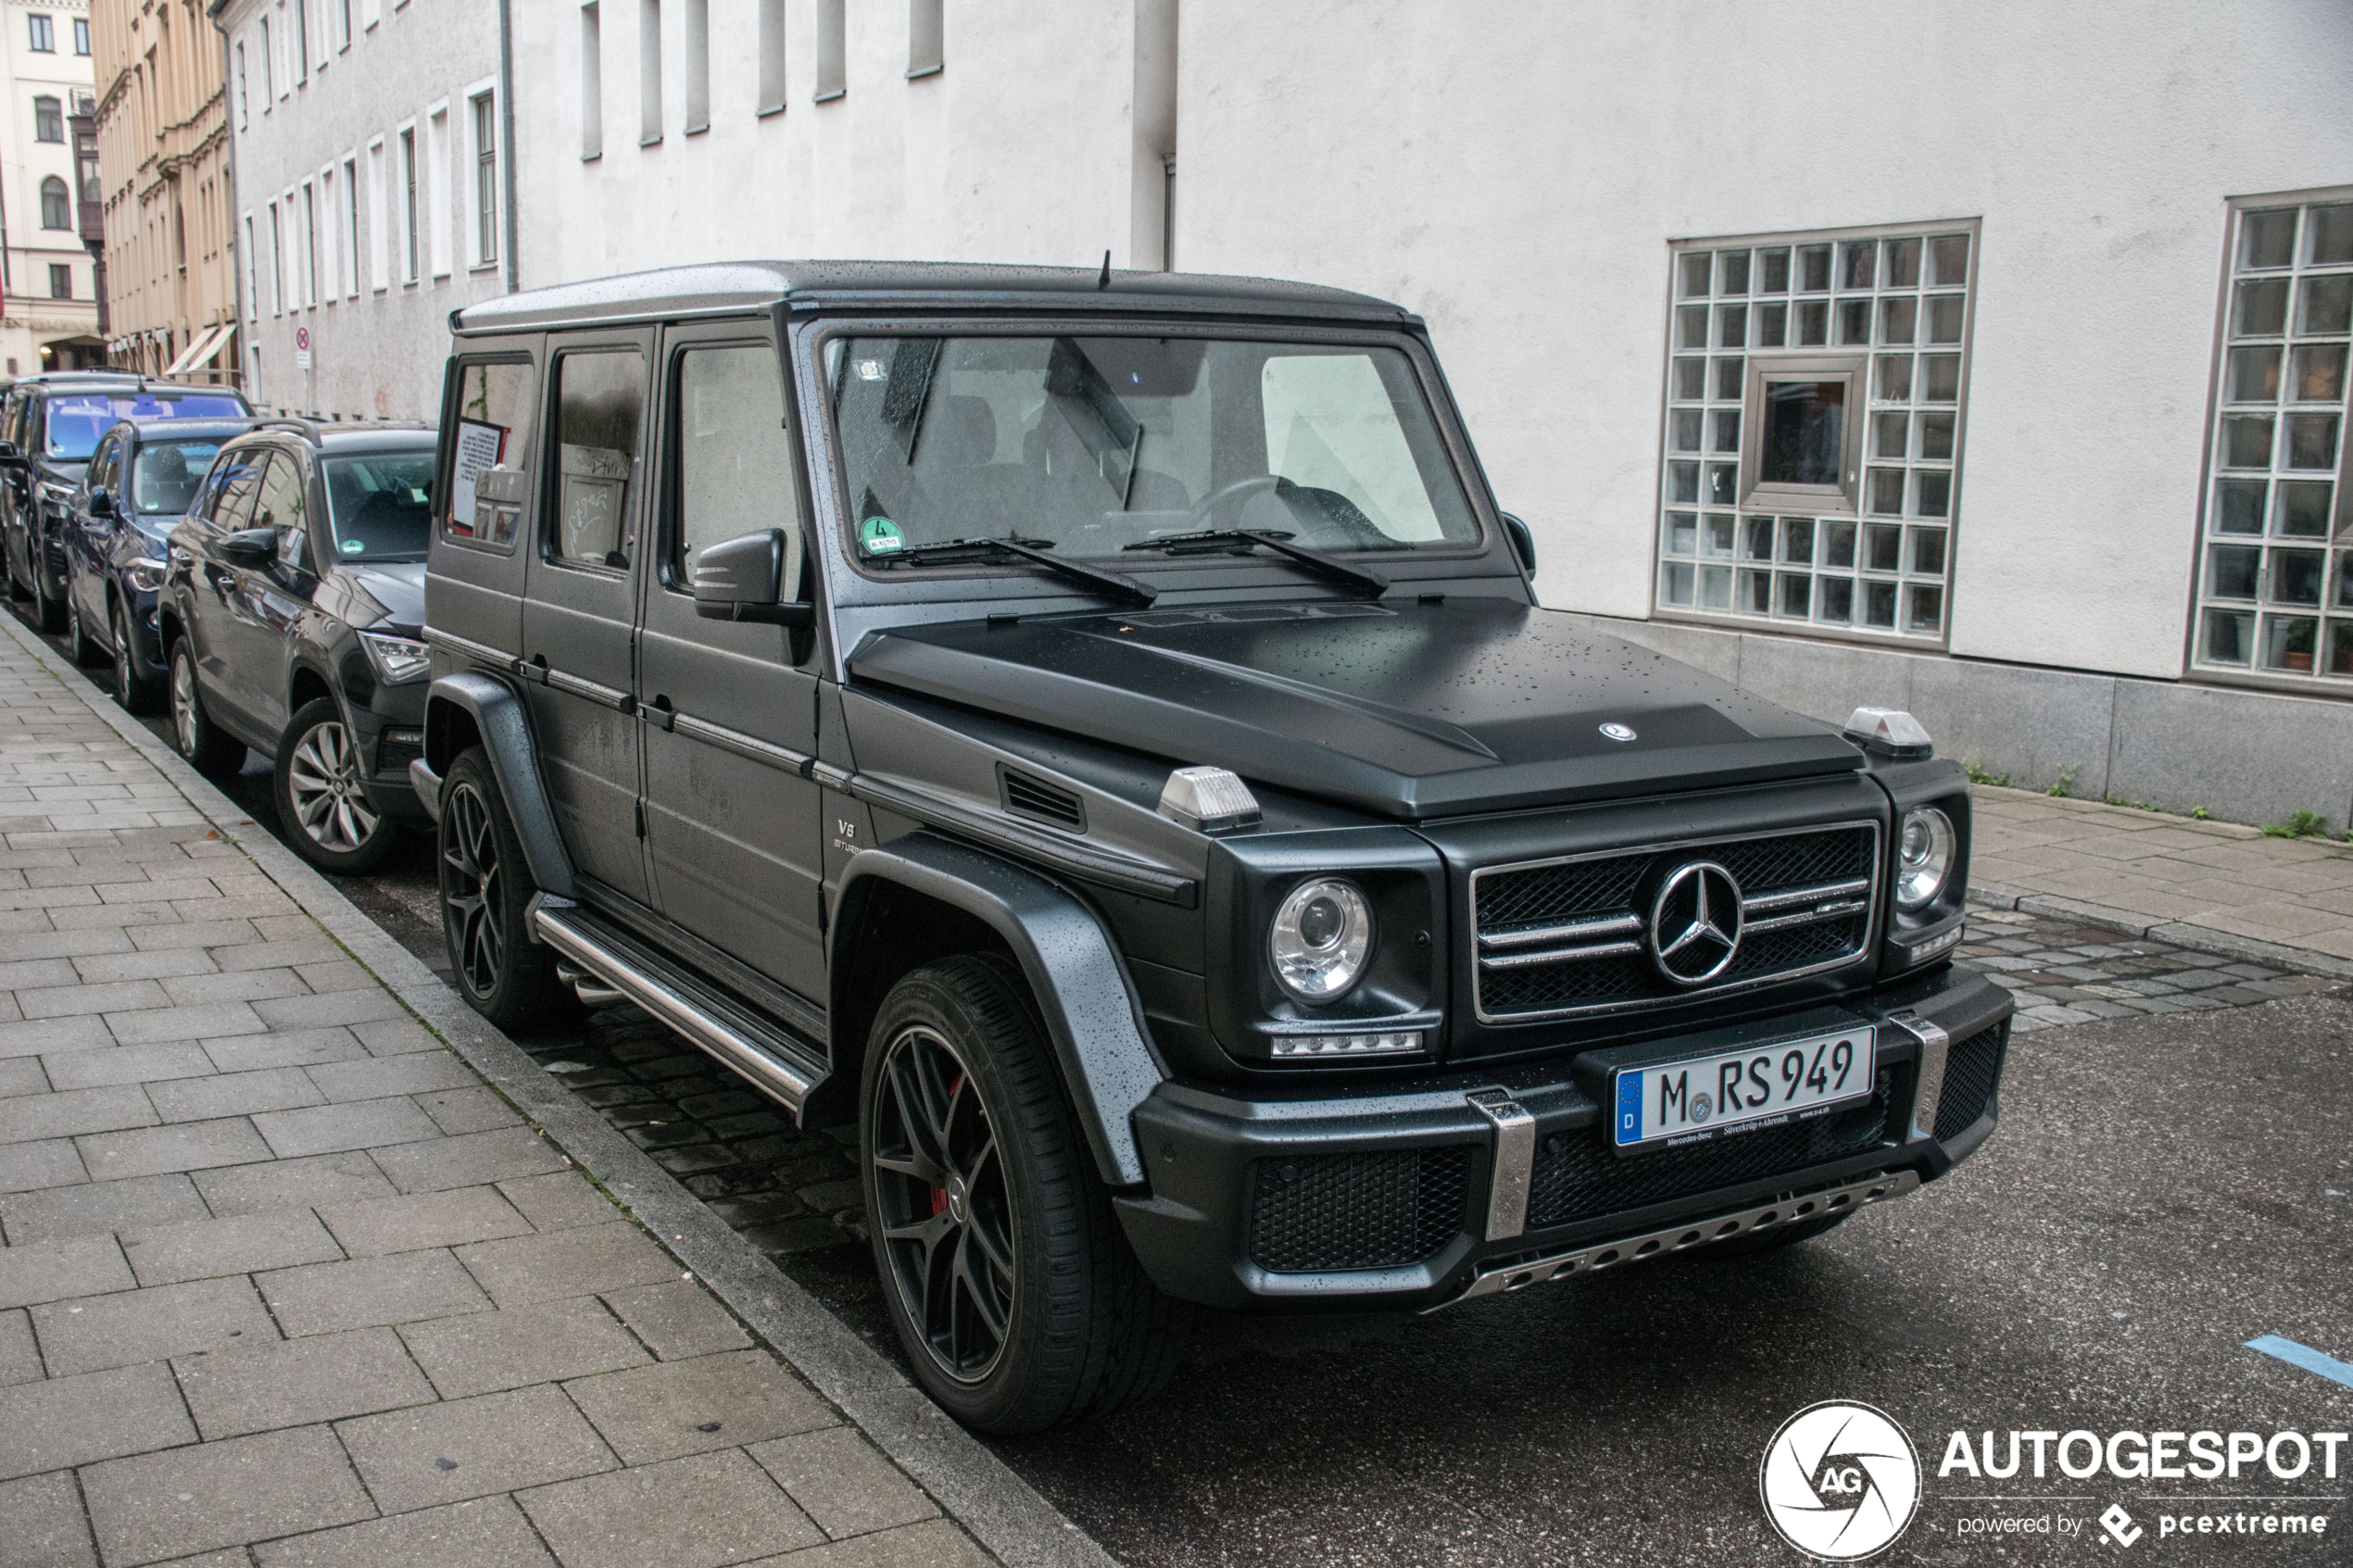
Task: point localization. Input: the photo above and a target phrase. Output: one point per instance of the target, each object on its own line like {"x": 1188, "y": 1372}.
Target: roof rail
{"x": 307, "y": 429}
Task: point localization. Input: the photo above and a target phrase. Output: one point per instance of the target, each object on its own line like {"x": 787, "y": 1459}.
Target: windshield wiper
{"x": 1373, "y": 584}
{"x": 1118, "y": 583}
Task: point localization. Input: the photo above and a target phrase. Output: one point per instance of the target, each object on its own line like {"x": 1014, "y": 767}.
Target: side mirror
{"x": 9, "y": 457}
{"x": 740, "y": 579}
{"x": 101, "y": 504}
{"x": 1523, "y": 542}
{"x": 250, "y": 547}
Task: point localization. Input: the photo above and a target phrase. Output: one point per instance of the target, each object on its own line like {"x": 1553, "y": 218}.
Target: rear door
{"x": 212, "y": 608}
{"x": 579, "y": 639}
{"x": 263, "y": 600}
{"x": 730, "y": 709}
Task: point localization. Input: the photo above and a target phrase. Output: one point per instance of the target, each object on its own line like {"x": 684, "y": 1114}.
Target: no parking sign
{"x": 302, "y": 348}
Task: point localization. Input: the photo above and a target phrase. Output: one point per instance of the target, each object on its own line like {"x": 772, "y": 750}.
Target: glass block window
{"x": 1814, "y": 393}
{"x": 2275, "y": 572}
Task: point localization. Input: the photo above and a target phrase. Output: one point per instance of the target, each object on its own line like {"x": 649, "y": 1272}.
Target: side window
{"x": 598, "y": 399}
{"x": 281, "y": 501}
{"x": 735, "y": 457}
{"x": 235, "y": 483}
{"x": 484, "y": 482}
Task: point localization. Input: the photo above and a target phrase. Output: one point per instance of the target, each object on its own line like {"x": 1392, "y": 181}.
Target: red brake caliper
{"x": 939, "y": 1194}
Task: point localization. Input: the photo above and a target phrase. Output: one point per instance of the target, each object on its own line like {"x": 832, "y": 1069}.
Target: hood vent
{"x": 1029, "y": 796}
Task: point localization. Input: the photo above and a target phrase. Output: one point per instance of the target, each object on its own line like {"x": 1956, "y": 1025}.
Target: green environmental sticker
{"x": 880, "y": 536}
{"x": 353, "y": 547}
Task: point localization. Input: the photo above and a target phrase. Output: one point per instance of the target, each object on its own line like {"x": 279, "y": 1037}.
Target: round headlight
{"x": 1321, "y": 938}
{"x": 1923, "y": 857}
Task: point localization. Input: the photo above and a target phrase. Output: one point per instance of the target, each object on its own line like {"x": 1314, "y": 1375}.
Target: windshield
{"x": 165, "y": 475}
{"x": 76, "y": 420}
{"x": 377, "y": 505}
{"x": 1095, "y": 444}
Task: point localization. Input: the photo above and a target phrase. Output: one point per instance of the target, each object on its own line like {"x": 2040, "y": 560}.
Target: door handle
{"x": 658, "y": 711}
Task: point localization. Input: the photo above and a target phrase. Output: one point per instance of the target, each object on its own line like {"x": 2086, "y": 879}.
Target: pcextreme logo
{"x": 1840, "y": 1481}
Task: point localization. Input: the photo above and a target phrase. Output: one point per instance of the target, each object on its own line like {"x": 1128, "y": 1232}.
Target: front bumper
{"x": 1413, "y": 1196}
{"x": 390, "y": 734}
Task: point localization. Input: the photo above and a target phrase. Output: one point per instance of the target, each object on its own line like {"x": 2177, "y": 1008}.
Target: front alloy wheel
{"x": 944, "y": 1217}
{"x": 486, "y": 899}
{"x": 323, "y": 794}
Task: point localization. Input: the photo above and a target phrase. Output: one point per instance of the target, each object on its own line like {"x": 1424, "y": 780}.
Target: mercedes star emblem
{"x": 1695, "y": 922}
{"x": 1617, "y": 731}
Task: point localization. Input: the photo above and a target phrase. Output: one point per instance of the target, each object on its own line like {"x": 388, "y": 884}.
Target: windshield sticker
{"x": 353, "y": 547}
{"x": 880, "y": 536}
{"x": 871, "y": 370}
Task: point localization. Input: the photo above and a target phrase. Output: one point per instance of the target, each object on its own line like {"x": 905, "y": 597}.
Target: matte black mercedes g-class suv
{"x": 1094, "y": 732}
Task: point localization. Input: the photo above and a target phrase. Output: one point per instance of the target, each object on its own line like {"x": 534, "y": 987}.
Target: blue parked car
{"x": 143, "y": 473}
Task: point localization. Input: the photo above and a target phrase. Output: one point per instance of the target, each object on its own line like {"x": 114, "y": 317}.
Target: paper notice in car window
{"x": 478, "y": 448}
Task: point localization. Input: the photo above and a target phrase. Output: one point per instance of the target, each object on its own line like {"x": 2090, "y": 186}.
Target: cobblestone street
{"x": 2065, "y": 971}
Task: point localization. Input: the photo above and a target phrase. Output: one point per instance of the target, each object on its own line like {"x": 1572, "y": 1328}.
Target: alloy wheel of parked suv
{"x": 193, "y": 731}
{"x": 323, "y": 794}
{"x": 134, "y": 690}
{"x": 1008, "y": 1275}
{"x": 486, "y": 892}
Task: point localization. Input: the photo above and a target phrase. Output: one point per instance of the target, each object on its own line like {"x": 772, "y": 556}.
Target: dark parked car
{"x": 139, "y": 483}
{"x": 1094, "y": 734}
{"x": 290, "y": 620}
{"x": 49, "y": 426}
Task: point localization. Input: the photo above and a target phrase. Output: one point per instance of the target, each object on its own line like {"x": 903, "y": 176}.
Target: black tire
{"x": 486, "y": 892}
{"x": 321, "y": 787}
{"x": 1775, "y": 1237}
{"x": 1009, "y": 1280}
{"x": 135, "y": 691}
{"x": 210, "y": 750}
{"x": 81, "y": 646}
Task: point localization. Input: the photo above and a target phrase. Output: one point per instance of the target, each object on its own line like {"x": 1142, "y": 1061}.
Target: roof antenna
{"x": 1105, "y": 281}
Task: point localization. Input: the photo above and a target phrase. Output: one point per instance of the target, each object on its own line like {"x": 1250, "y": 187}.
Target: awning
{"x": 202, "y": 351}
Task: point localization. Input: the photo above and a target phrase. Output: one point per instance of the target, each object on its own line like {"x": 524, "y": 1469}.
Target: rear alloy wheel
{"x": 81, "y": 646}
{"x": 1008, "y": 1278}
{"x": 323, "y": 794}
{"x": 486, "y": 896}
{"x": 198, "y": 739}
{"x": 135, "y": 691}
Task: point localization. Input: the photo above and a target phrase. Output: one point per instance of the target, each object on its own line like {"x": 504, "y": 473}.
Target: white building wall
{"x": 1515, "y": 177}
{"x": 378, "y": 339}
{"x": 1018, "y": 150}
{"x": 33, "y": 317}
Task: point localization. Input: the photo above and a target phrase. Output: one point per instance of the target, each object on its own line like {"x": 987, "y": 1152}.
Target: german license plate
{"x": 1708, "y": 1097}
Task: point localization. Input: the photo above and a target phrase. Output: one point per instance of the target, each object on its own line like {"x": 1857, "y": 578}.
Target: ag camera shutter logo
{"x": 1840, "y": 1481}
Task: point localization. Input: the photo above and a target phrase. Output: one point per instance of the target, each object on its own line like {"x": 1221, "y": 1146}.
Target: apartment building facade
{"x": 1986, "y": 359}
{"x": 165, "y": 186}
{"x": 50, "y": 316}
{"x": 372, "y": 170}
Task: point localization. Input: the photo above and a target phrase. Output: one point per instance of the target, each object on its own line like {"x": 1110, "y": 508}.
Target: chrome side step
{"x": 1500, "y": 1277}
{"x": 779, "y": 1065}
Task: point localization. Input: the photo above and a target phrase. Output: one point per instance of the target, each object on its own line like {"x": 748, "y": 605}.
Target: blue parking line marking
{"x": 2304, "y": 1356}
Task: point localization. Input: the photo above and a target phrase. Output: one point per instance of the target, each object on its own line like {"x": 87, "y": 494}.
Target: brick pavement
{"x": 284, "y": 1283}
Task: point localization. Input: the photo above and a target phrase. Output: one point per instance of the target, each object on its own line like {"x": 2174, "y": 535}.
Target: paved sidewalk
{"x": 284, "y": 1283}
{"x": 2213, "y": 885}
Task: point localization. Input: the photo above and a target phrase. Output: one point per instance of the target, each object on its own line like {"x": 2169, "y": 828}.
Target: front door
{"x": 730, "y": 709}
{"x": 578, "y": 639}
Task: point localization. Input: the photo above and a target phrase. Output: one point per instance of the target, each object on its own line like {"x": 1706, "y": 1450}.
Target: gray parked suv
{"x": 1093, "y": 733}
{"x": 289, "y": 618}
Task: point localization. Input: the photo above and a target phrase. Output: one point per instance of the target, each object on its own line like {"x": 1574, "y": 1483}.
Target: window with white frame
{"x": 592, "y": 83}
{"x": 269, "y": 68}
{"x": 253, "y": 291}
{"x": 351, "y": 224}
{"x": 2276, "y": 591}
{"x": 481, "y": 121}
{"x": 833, "y": 51}
{"x": 43, "y": 41}
{"x": 379, "y": 220}
{"x": 1814, "y": 388}
{"x": 244, "y": 118}
{"x": 649, "y": 72}
{"x": 698, "y": 65}
{"x": 407, "y": 197}
{"x": 437, "y": 173}
{"x": 770, "y": 24}
{"x": 301, "y": 41}
{"x": 277, "y": 261}
{"x": 307, "y": 277}
{"x": 81, "y": 35}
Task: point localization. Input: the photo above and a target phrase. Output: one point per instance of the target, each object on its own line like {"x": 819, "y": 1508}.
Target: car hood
{"x": 399, "y": 588}
{"x": 1407, "y": 711}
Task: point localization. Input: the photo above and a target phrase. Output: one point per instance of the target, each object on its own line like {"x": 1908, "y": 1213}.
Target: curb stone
{"x": 969, "y": 1482}
{"x": 2181, "y": 933}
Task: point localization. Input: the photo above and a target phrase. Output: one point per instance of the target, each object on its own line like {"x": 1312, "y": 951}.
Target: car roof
{"x": 144, "y": 425}
{"x": 329, "y": 438}
{"x": 734, "y": 287}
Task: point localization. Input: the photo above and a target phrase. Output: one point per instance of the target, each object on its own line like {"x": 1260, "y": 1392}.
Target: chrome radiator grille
{"x": 1572, "y": 935}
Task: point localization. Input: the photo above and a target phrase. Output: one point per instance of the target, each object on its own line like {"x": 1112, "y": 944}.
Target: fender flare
{"x": 499, "y": 718}
{"x": 1091, "y": 1013}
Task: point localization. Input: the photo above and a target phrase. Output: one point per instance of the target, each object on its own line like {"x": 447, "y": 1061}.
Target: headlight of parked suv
{"x": 1320, "y": 939}
{"x": 397, "y": 659}
{"x": 148, "y": 575}
{"x": 1923, "y": 857}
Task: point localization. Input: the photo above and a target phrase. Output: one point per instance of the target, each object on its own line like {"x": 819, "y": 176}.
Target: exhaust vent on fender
{"x": 1029, "y": 796}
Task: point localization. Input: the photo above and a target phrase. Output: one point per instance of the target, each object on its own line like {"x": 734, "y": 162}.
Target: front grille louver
{"x": 1029, "y": 796}
{"x": 1562, "y": 937}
